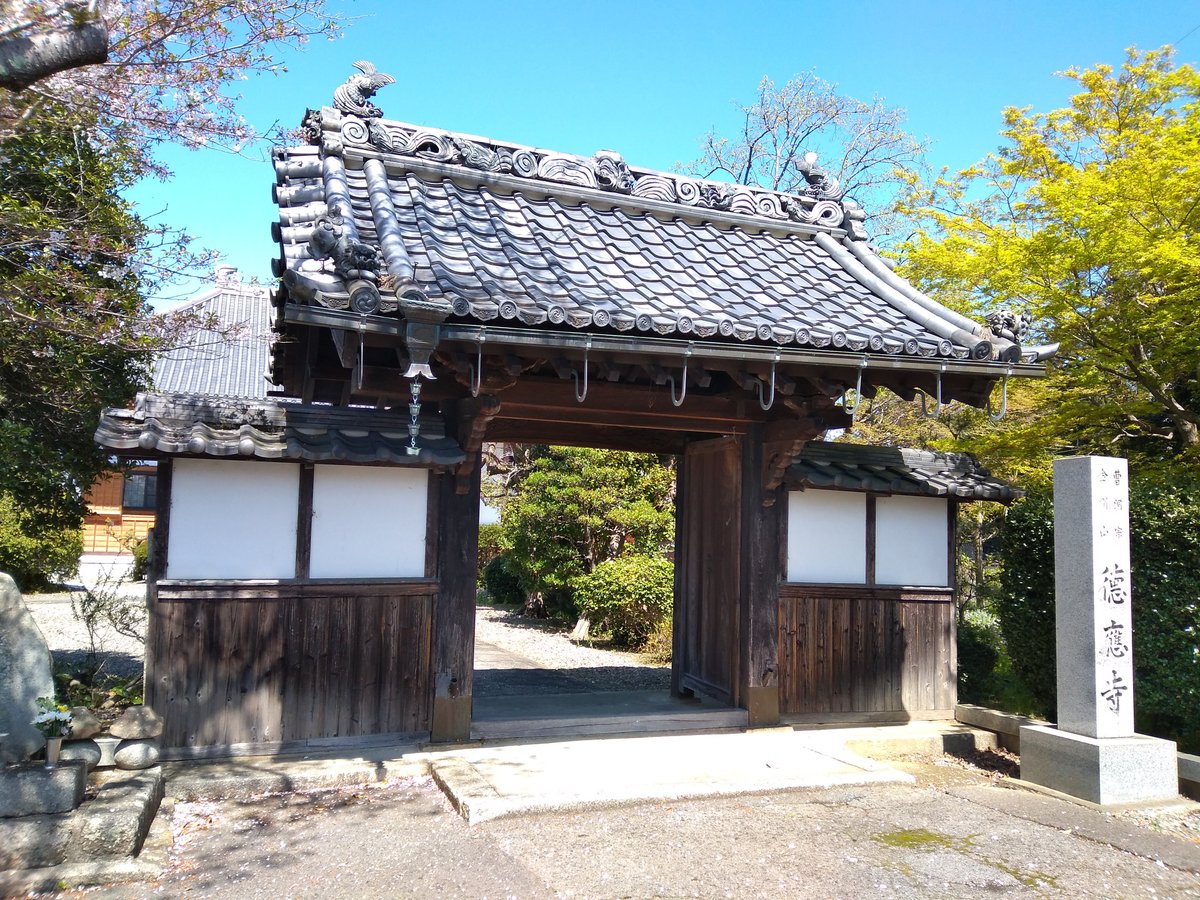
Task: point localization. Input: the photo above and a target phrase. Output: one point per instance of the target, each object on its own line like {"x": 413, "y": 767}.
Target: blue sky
{"x": 650, "y": 78}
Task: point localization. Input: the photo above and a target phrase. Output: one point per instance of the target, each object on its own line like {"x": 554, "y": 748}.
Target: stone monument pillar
{"x": 1094, "y": 753}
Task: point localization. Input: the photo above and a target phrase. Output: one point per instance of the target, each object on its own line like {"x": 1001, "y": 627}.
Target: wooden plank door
{"x": 708, "y": 566}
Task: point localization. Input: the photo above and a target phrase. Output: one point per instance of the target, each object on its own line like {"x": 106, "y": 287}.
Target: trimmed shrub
{"x": 141, "y": 561}
{"x": 33, "y": 555}
{"x": 629, "y": 597}
{"x": 979, "y": 644}
{"x": 491, "y": 545}
{"x": 1025, "y": 600}
{"x": 1165, "y": 548}
{"x": 503, "y": 582}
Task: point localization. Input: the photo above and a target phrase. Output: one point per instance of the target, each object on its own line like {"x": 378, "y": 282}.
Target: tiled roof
{"x": 892, "y": 470}
{"x": 180, "y": 424}
{"x": 383, "y": 217}
{"x": 211, "y": 365}
{"x": 542, "y": 260}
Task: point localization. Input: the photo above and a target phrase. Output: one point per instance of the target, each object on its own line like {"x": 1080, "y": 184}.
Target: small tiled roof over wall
{"x": 892, "y": 470}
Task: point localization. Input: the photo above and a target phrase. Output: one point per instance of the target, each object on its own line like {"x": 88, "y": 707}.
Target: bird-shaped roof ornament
{"x": 352, "y": 97}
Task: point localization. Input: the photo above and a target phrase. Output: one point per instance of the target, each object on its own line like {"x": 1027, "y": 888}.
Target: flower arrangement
{"x": 53, "y": 720}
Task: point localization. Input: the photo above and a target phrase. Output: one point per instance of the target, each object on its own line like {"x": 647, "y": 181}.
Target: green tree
{"x": 578, "y": 507}
{"x": 67, "y": 292}
{"x": 75, "y": 261}
{"x": 1088, "y": 219}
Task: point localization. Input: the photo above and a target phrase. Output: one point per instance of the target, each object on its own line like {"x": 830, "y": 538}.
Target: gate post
{"x": 761, "y": 570}
{"x": 454, "y": 612}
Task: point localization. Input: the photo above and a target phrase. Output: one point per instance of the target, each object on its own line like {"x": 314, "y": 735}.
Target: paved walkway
{"x": 949, "y": 834}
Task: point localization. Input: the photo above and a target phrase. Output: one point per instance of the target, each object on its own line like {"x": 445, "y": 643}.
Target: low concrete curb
{"x": 248, "y": 777}
{"x": 1007, "y": 727}
{"x": 495, "y": 782}
{"x": 1092, "y": 824}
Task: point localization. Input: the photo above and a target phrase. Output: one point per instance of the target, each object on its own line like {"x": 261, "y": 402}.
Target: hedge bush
{"x": 1165, "y": 549}
{"x": 1025, "y": 600}
{"x": 503, "y": 581}
{"x": 141, "y": 561}
{"x": 629, "y": 597}
{"x": 491, "y": 545}
{"x": 978, "y": 653}
{"x": 35, "y": 556}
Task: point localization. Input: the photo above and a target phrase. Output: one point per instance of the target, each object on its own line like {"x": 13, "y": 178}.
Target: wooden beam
{"x": 601, "y": 436}
{"x": 473, "y": 417}
{"x": 304, "y": 518}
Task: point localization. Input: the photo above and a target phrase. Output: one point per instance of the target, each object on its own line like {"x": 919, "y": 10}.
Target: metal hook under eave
{"x": 360, "y": 367}
{"x": 853, "y": 410}
{"x": 996, "y": 417}
{"x": 758, "y": 386}
{"x": 477, "y": 369}
{"x": 580, "y": 397}
{"x": 671, "y": 378}
{"x": 938, "y": 409}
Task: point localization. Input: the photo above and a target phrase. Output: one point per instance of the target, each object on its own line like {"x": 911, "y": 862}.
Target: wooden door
{"x": 708, "y": 573}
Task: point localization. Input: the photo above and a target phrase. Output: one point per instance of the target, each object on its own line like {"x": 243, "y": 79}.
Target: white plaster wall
{"x": 233, "y": 519}
{"x": 911, "y": 541}
{"x": 368, "y": 522}
{"x": 827, "y": 537}
{"x": 99, "y": 569}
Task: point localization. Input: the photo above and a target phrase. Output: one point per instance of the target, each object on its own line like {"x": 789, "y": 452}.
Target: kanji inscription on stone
{"x": 1093, "y": 596}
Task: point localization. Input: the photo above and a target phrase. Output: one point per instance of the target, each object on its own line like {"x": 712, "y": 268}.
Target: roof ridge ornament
{"x": 353, "y": 96}
{"x": 821, "y": 185}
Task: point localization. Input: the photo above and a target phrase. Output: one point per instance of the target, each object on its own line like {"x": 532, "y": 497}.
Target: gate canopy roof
{"x": 408, "y": 251}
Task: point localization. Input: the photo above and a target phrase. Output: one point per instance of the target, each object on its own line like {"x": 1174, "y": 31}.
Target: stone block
{"x": 25, "y": 674}
{"x": 32, "y": 789}
{"x": 1007, "y": 726}
{"x": 33, "y": 842}
{"x": 139, "y": 754}
{"x": 108, "y": 746}
{"x": 1137, "y": 769}
{"x": 1189, "y": 775}
{"x": 114, "y": 825}
{"x": 137, "y": 722}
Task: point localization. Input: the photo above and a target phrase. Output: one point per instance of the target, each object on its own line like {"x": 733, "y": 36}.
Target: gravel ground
{"x": 68, "y": 638}
{"x": 547, "y": 646}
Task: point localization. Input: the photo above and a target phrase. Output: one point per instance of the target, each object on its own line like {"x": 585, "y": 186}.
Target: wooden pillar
{"x": 760, "y": 577}
{"x": 153, "y": 666}
{"x": 454, "y": 610}
{"x": 679, "y": 608}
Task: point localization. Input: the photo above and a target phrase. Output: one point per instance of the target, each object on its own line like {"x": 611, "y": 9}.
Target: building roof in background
{"x": 892, "y": 470}
{"x": 209, "y": 364}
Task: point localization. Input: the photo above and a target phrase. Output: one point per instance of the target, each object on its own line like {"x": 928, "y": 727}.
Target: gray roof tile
{"x": 209, "y": 365}
{"x": 892, "y": 470}
{"x": 532, "y": 247}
